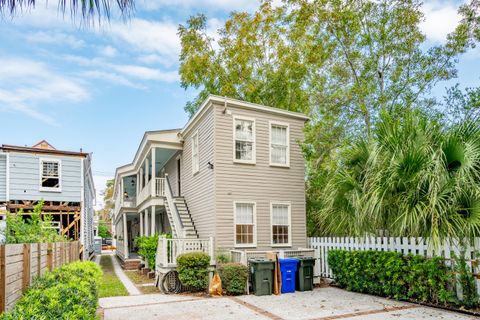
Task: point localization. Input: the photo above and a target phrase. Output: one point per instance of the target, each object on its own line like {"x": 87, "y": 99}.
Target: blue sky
{"x": 101, "y": 88}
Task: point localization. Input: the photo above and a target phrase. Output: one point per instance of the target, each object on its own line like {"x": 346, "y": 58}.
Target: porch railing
{"x": 154, "y": 188}
{"x": 168, "y": 250}
{"x": 159, "y": 187}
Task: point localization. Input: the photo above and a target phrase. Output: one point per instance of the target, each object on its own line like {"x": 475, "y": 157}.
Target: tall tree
{"x": 339, "y": 61}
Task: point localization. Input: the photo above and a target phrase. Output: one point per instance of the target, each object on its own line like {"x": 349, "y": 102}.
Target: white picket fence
{"x": 416, "y": 246}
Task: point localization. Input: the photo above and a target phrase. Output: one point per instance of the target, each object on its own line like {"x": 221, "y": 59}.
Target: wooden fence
{"x": 20, "y": 263}
{"x": 417, "y": 246}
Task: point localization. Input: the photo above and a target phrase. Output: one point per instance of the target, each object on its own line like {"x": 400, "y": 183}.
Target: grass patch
{"x": 110, "y": 285}
{"x": 139, "y": 280}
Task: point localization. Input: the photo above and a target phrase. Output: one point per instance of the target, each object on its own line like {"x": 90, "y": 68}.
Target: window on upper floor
{"x": 195, "y": 154}
{"x": 245, "y": 224}
{"x": 244, "y": 140}
{"x": 279, "y": 144}
{"x": 50, "y": 175}
{"x": 281, "y": 221}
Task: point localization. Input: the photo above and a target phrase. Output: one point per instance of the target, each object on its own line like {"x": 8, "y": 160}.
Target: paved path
{"x": 132, "y": 290}
{"x": 320, "y": 304}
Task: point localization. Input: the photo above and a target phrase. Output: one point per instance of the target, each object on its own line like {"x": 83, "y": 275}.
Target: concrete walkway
{"x": 132, "y": 290}
{"x": 320, "y": 304}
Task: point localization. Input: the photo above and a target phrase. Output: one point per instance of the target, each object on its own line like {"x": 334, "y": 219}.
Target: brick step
{"x": 131, "y": 264}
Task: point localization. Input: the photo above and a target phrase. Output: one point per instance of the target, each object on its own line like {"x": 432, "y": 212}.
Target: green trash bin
{"x": 261, "y": 271}
{"x": 305, "y": 274}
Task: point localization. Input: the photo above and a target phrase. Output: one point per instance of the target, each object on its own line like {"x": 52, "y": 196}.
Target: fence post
{"x": 39, "y": 259}
{"x": 49, "y": 257}
{"x": 3, "y": 283}
{"x": 210, "y": 251}
{"x": 26, "y": 267}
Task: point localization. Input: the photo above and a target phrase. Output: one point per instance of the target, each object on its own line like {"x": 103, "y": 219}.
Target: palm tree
{"x": 83, "y": 9}
{"x": 414, "y": 178}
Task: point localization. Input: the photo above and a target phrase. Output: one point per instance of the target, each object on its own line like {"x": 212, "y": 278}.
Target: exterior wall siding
{"x": 3, "y": 177}
{"x": 172, "y": 171}
{"x": 25, "y": 178}
{"x": 199, "y": 188}
{"x": 259, "y": 182}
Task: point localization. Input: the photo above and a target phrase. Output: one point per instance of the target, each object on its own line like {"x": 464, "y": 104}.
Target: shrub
{"x": 147, "y": 247}
{"x": 193, "y": 269}
{"x": 234, "y": 277}
{"x": 222, "y": 256}
{"x": 69, "y": 292}
{"x": 391, "y": 274}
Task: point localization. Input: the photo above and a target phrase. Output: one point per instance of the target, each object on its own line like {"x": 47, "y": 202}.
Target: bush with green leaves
{"x": 147, "y": 247}
{"x": 193, "y": 269}
{"x": 391, "y": 274}
{"x": 69, "y": 292}
{"x": 36, "y": 228}
{"x": 234, "y": 277}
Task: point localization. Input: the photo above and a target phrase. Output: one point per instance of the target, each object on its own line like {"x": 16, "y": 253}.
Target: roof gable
{"x": 44, "y": 145}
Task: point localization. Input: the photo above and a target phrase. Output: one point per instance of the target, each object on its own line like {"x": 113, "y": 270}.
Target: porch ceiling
{"x": 162, "y": 155}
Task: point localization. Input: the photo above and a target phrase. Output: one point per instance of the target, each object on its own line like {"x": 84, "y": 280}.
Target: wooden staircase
{"x": 185, "y": 217}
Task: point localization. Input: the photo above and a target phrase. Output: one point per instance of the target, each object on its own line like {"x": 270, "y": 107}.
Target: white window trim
{"x": 196, "y": 166}
{"x": 289, "y": 244}
{"x": 254, "y": 143}
{"x": 282, "y": 124}
{"x": 40, "y": 173}
{"x": 244, "y": 245}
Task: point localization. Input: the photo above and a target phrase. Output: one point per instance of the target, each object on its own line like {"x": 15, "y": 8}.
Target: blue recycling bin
{"x": 288, "y": 268}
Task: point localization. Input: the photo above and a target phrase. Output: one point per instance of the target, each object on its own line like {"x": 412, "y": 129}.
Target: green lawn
{"x": 110, "y": 285}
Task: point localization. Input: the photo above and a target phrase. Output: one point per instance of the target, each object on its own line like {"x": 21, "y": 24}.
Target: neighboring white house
{"x": 234, "y": 173}
{"x": 62, "y": 179}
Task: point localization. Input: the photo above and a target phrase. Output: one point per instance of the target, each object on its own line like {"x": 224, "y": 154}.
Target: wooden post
{"x": 26, "y": 267}
{"x": 39, "y": 259}
{"x": 3, "y": 283}
{"x": 49, "y": 257}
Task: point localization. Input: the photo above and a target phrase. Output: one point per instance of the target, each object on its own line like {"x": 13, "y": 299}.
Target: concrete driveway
{"x": 321, "y": 304}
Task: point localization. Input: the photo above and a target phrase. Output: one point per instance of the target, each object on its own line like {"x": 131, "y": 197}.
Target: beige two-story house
{"x": 235, "y": 174}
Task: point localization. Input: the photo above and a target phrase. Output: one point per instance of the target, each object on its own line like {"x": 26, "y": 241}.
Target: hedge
{"x": 147, "y": 247}
{"x": 391, "y": 274}
{"x": 69, "y": 292}
{"x": 234, "y": 277}
{"x": 193, "y": 269}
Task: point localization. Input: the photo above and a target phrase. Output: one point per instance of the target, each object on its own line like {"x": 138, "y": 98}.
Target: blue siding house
{"x": 62, "y": 179}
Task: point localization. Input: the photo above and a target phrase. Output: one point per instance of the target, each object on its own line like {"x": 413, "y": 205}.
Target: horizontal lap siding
{"x": 25, "y": 178}
{"x": 3, "y": 177}
{"x": 198, "y": 189}
{"x": 258, "y": 183}
{"x": 171, "y": 170}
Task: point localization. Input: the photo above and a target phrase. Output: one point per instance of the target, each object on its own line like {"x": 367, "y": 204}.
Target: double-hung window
{"x": 244, "y": 136}
{"x": 281, "y": 224}
{"x": 195, "y": 154}
{"x": 279, "y": 144}
{"x": 50, "y": 175}
{"x": 245, "y": 224}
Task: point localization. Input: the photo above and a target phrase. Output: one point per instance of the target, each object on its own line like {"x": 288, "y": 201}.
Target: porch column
{"x": 125, "y": 236}
{"x": 153, "y": 230}
{"x": 137, "y": 186}
{"x": 154, "y": 184}
{"x": 147, "y": 168}
{"x": 145, "y": 227}
{"x": 141, "y": 223}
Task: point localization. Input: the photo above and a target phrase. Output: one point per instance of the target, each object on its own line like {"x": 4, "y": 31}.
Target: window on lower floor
{"x": 244, "y": 223}
{"x": 280, "y": 223}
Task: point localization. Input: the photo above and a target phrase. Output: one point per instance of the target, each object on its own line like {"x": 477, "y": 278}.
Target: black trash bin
{"x": 262, "y": 276}
{"x": 305, "y": 273}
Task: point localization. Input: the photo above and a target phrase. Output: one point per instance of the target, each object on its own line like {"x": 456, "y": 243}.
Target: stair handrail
{"x": 173, "y": 209}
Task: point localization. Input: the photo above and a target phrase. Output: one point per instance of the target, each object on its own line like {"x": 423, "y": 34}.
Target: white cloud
{"x": 153, "y": 59}
{"x": 58, "y": 38}
{"x": 108, "y": 51}
{"x": 24, "y": 84}
{"x": 145, "y": 73}
{"x": 150, "y": 37}
{"x": 111, "y": 78}
{"x": 440, "y": 20}
{"x": 212, "y": 5}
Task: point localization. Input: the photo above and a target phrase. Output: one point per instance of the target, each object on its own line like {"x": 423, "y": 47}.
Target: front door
{"x": 178, "y": 176}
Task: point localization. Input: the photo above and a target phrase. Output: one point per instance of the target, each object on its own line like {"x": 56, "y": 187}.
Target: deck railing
{"x": 159, "y": 187}
{"x": 168, "y": 250}
{"x": 154, "y": 188}
{"x": 242, "y": 256}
